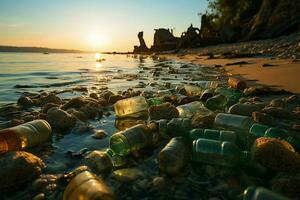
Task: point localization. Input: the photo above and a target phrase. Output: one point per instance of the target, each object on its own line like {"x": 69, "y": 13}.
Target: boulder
{"x": 17, "y": 169}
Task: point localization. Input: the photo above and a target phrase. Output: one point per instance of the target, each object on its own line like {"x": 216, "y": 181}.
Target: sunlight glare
{"x": 97, "y": 56}
{"x": 97, "y": 40}
{"x": 98, "y": 66}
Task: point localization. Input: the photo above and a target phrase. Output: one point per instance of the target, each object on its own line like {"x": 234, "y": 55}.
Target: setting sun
{"x": 97, "y": 40}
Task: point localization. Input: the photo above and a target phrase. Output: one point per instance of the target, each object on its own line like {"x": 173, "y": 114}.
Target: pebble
{"x": 94, "y": 95}
{"x": 40, "y": 196}
{"x": 100, "y": 134}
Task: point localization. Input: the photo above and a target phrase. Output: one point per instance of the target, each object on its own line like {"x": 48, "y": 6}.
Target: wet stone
{"x": 25, "y": 102}
{"x": 17, "y": 169}
{"x": 263, "y": 118}
{"x": 292, "y": 99}
{"x": 60, "y": 119}
{"x": 114, "y": 98}
{"x": 277, "y": 112}
{"x": 163, "y": 111}
{"x": 94, "y": 95}
{"x": 277, "y": 103}
{"x": 100, "y": 134}
{"x": 50, "y": 98}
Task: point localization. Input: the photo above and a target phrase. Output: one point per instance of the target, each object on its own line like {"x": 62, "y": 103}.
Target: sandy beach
{"x": 280, "y": 73}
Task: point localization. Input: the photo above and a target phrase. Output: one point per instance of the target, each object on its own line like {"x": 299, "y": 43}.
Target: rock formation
{"x": 143, "y": 47}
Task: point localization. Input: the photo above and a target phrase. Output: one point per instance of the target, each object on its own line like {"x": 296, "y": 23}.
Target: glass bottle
{"x": 133, "y": 107}
{"x": 192, "y": 90}
{"x": 178, "y": 127}
{"x": 133, "y": 139}
{"x": 260, "y": 193}
{"x": 233, "y": 122}
{"x": 217, "y": 153}
{"x": 206, "y": 94}
{"x": 87, "y": 186}
{"x": 243, "y": 109}
{"x": 24, "y": 136}
{"x": 190, "y": 109}
{"x": 173, "y": 157}
{"x": 217, "y": 102}
{"x": 212, "y": 134}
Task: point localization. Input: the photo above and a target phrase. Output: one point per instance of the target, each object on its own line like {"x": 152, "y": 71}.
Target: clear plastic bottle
{"x": 173, "y": 157}
{"x": 212, "y": 134}
{"x": 24, "y": 136}
{"x": 133, "y": 139}
{"x": 132, "y": 107}
{"x": 178, "y": 127}
{"x": 190, "y": 109}
{"x": 217, "y": 152}
{"x": 260, "y": 193}
{"x": 233, "y": 122}
{"x": 87, "y": 186}
{"x": 218, "y": 102}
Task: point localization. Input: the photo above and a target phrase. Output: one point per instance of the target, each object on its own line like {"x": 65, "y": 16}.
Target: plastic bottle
{"x": 260, "y": 193}
{"x": 132, "y": 107}
{"x": 87, "y": 186}
{"x": 133, "y": 139}
{"x": 243, "y": 109}
{"x": 173, "y": 157}
{"x": 260, "y": 130}
{"x": 103, "y": 161}
{"x": 212, "y": 134}
{"x": 237, "y": 83}
{"x": 24, "y": 136}
{"x": 217, "y": 152}
{"x": 190, "y": 109}
{"x": 217, "y": 102}
{"x": 233, "y": 122}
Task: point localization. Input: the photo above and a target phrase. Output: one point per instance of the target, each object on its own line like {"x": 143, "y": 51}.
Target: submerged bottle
{"x": 132, "y": 107}
{"x": 217, "y": 153}
{"x": 173, "y": 157}
{"x": 212, "y": 134}
{"x": 190, "y": 109}
{"x": 218, "y": 102}
{"x": 260, "y": 193}
{"x": 87, "y": 186}
{"x": 133, "y": 139}
{"x": 24, "y": 136}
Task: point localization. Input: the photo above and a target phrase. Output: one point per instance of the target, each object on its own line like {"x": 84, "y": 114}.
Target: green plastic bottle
{"x": 133, "y": 139}
{"x": 260, "y": 193}
{"x": 217, "y": 102}
{"x": 217, "y": 153}
{"x": 260, "y": 130}
{"x": 212, "y": 134}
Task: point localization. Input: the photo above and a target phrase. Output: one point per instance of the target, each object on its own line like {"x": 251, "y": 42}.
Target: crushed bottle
{"x": 24, "y": 136}
{"x": 221, "y": 135}
{"x": 87, "y": 186}
{"x": 173, "y": 157}
{"x": 133, "y": 107}
{"x": 133, "y": 139}
{"x": 218, "y": 153}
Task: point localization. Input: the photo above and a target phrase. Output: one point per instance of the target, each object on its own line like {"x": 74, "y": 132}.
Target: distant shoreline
{"x": 15, "y": 49}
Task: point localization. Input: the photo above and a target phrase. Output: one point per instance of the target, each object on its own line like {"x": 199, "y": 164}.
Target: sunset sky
{"x": 97, "y": 25}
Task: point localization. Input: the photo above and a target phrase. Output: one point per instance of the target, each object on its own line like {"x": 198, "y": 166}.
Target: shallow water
{"x": 36, "y": 72}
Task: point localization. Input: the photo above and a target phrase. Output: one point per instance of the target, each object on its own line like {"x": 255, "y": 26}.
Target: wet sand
{"x": 284, "y": 73}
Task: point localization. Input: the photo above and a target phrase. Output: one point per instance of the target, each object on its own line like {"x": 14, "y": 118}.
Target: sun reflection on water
{"x": 98, "y": 66}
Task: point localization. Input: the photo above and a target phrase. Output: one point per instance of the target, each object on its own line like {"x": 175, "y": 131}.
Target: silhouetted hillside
{"x": 36, "y": 49}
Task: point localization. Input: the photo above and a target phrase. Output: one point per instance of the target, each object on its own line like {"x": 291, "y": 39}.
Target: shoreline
{"x": 276, "y": 72}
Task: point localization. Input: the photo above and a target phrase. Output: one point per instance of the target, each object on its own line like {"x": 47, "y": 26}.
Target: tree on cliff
{"x": 253, "y": 19}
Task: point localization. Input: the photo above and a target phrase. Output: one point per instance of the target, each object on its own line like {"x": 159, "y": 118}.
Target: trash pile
{"x": 209, "y": 140}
